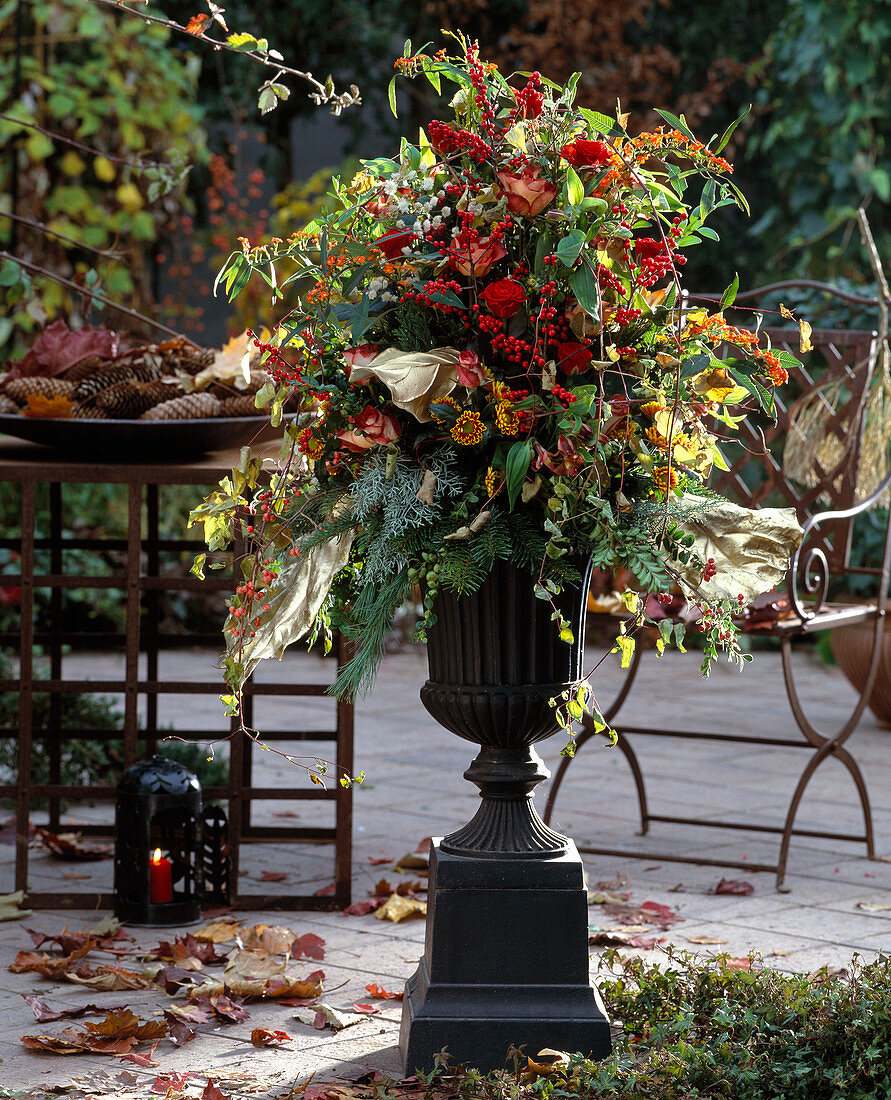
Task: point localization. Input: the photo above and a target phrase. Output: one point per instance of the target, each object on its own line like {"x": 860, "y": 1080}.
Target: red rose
{"x": 393, "y": 242}
{"x": 371, "y": 428}
{"x": 504, "y": 298}
{"x": 573, "y": 358}
{"x": 527, "y": 194}
{"x": 531, "y": 102}
{"x": 582, "y": 153}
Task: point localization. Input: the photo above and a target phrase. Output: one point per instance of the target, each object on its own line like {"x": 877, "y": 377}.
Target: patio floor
{"x": 415, "y": 790}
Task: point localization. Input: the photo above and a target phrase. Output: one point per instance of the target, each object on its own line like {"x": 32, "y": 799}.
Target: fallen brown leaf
{"x": 68, "y": 846}
{"x": 703, "y": 939}
{"x": 379, "y": 862}
{"x": 123, "y": 1024}
{"x": 273, "y": 876}
{"x": 734, "y": 886}
{"x": 211, "y": 1092}
{"x": 144, "y": 1060}
{"x": 274, "y": 939}
{"x": 362, "y": 908}
{"x": 110, "y": 979}
{"x": 874, "y": 906}
{"x": 365, "y": 1009}
{"x": 47, "y": 1015}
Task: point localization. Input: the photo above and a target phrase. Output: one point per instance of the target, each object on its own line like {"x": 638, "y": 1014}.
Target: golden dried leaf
{"x": 219, "y": 931}
{"x": 46, "y": 408}
{"x": 786, "y": 312}
{"x": 256, "y": 964}
{"x": 110, "y": 979}
{"x": 398, "y": 909}
{"x": 805, "y": 331}
{"x": 259, "y": 988}
{"x": 273, "y": 939}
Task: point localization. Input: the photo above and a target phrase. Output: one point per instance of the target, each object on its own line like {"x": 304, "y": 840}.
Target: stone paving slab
{"x": 415, "y": 789}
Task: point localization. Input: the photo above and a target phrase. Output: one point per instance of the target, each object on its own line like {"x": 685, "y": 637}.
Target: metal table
{"x": 138, "y": 559}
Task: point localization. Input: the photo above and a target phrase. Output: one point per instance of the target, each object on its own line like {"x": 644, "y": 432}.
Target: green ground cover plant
{"x": 695, "y": 1029}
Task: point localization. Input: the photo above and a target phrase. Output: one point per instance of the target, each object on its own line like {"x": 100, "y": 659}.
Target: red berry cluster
{"x": 447, "y": 141}
{"x": 626, "y": 316}
{"x": 611, "y": 281}
{"x": 562, "y": 395}
{"x": 710, "y": 570}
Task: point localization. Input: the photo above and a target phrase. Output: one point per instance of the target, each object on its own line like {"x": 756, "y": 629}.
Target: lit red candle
{"x": 160, "y": 879}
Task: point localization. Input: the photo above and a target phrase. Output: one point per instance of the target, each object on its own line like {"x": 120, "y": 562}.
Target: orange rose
{"x": 475, "y": 257}
{"x": 371, "y": 428}
{"x": 527, "y": 194}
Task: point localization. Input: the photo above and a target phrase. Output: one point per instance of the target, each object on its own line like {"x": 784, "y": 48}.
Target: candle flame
{"x": 156, "y": 857}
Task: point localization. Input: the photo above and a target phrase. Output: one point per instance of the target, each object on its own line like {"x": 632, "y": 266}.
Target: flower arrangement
{"x": 491, "y": 358}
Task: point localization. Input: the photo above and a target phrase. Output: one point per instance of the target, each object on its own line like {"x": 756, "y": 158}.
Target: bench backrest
{"x": 830, "y": 394}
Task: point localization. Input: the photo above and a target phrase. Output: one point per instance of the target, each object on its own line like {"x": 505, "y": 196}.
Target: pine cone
{"x": 127, "y": 400}
{"x": 90, "y": 365}
{"x": 160, "y": 391}
{"x": 181, "y": 355}
{"x": 240, "y": 406}
{"x": 103, "y": 380}
{"x": 88, "y": 412}
{"x": 20, "y": 389}
{"x": 7, "y": 405}
{"x": 191, "y": 406}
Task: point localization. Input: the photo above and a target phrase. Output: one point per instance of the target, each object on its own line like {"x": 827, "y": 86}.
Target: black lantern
{"x": 157, "y": 863}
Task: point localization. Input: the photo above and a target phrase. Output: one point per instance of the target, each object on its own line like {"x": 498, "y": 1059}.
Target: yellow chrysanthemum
{"x": 656, "y": 437}
{"x": 650, "y": 408}
{"x": 507, "y": 420}
{"x": 468, "y": 429}
{"x": 494, "y": 482}
{"x": 665, "y": 478}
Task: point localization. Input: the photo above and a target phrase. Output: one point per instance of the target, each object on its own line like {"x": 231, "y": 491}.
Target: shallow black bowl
{"x": 123, "y": 440}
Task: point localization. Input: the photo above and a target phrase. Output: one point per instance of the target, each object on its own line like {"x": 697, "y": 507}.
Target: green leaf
{"x": 264, "y": 395}
{"x": 729, "y": 295}
{"x": 517, "y": 464}
{"x": 602, "y": 124}
{"x": 567, "y": 251}
{"x": 728, "y": 133}
{"x": 267, "y": 100}
{"x": 676, "y": 123}
{"x": 198, "y": 566}
{"x": 391, "y": 96}
{"x": 584, "y": 287}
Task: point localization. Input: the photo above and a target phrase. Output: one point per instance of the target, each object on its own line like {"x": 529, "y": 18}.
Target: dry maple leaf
{"x": 362, "y": 908}
{"x": 145, "y": 1059}
{"x": 211, "y": 1092}
{"x": 273, "y": 876}
{"x": 309, "y": 945}
{"x": 263, "y": 1037}
{"x": 47, "y": 408}
{"x": 121, "y": 1025}
{"x": 378, "y": 991}
{"x": 47, "y": 965}
{"x": 365, "y": 1009}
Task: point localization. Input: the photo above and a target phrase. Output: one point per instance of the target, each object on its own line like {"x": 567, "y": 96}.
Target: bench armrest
{"x": 809, "y": 569}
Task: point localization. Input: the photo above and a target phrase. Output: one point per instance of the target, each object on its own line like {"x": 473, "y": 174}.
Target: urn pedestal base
{"x": 505, "y": 963}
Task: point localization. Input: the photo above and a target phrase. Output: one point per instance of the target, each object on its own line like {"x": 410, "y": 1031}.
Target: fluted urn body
{"x": 497, "y": 667}
{"x": 505, "y": 959}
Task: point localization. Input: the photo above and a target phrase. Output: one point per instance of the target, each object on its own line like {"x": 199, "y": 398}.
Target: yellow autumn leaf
{"x": 45, "y": 408}
{"x": 786, "y": 312}
{"x": 72, "y": 164}
{"x": 129, "y": 197}
{"x": 103, "y": 169}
